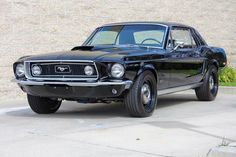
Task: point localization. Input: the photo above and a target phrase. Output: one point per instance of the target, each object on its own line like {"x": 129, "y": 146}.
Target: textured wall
{"x": 41, "y": 26}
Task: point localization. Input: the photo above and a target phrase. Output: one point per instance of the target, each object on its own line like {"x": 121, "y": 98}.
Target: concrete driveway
{"x": 181, "y": 126}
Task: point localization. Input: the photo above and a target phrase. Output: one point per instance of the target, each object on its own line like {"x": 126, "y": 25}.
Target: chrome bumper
{"x": 127, "y": 84}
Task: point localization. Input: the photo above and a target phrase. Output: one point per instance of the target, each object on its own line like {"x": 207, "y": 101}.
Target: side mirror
{"x": 178, "y": 44}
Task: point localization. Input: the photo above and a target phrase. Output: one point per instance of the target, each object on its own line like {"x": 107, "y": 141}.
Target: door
{"x": 184, "y": 60}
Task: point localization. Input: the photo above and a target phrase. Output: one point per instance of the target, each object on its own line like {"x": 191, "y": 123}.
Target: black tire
{"x": 209, "y": 89}
{"x": 137, "y": 102}
{"x": 43, "y": 105}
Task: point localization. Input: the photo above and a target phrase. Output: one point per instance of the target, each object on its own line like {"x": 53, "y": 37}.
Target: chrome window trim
{"x": 63, "y": 78}
{"x": 134, "y": 23}
{"x": 125, "y": 24}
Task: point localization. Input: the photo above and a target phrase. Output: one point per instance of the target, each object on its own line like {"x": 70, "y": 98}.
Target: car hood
{"x": 107, "y": 54}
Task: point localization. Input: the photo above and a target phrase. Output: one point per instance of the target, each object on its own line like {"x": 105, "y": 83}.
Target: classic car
{"x": 131, "y": 62}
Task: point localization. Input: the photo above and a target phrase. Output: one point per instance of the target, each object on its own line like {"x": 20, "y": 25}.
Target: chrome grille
{"x": 49, "y": 70}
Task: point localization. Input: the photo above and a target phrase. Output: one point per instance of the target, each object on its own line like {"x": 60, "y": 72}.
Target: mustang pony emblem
{"x": 62, "y": 69}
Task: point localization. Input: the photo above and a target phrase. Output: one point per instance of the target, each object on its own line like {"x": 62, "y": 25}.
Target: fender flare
{"x": 149, "y": 67}
{"x": 215, "y": 63}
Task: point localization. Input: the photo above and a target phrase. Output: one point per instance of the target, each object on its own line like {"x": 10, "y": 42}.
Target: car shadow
{"x": 175, "y": 99}
{"x": 100, "y": 110}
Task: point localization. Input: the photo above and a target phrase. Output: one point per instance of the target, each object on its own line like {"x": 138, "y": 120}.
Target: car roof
{"x": 168, "y": 24}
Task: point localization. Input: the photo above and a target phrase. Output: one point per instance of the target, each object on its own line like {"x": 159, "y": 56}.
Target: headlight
{"x": 88, "y": 70}
{"x": 117, "y": 70}
{"x": 20, "y": 70}
{"x": 36, "y": 70}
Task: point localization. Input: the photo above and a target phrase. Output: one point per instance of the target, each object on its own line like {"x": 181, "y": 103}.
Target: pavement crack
{"x": 132, "y": 150}
{"x": 209, "y": 134}
{"x": 114, "y": 147}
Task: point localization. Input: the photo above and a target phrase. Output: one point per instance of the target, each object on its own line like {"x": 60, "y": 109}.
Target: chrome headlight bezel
{"x": 117, "y": 70}
{"x": 36, "y": 70}
{"x": 20, "y": 70}
{"x": 88, "y": 70}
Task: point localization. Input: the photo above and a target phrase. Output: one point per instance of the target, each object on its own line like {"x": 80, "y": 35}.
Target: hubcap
{"x": 146, "y": 94}
{"x": 211, "y": 83}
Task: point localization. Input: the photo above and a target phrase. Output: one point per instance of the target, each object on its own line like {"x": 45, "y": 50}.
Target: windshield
{"x": 141, "y": 35}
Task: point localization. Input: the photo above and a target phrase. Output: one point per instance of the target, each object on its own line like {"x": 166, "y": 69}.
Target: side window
{"x": 181, "y": 35}
{"x": 193, "y": 42}
{"x": 199, "y": 37}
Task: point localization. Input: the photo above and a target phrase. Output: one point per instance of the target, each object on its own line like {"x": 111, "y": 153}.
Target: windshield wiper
{"x": 136, "y": 45}
{"x": 155, "y": 47}
{"x": 126, "y": 45}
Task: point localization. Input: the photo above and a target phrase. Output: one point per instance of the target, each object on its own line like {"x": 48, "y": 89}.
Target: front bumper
{"x": 74, "y": 90}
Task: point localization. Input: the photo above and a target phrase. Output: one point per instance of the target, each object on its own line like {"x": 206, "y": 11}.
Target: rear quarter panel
{"x": 219, "y": 55}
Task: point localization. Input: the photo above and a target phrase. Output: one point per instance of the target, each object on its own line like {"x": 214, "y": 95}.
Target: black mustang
{"x": 131, "y": 62}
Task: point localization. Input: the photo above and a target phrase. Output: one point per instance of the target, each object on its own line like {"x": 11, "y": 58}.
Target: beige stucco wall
{"x": 41, "y": 26}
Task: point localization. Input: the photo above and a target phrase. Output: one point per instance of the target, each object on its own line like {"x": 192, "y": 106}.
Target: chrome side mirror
{"x": 178, "y": 44}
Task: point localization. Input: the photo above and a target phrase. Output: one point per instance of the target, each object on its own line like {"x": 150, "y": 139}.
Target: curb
{"x": 223, "y": 151}
{"x": 227, "y": 90}
{"x": 228, "y": 87}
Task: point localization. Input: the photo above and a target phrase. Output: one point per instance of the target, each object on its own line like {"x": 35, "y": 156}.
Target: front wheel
{"x": 141, "y": 100}
{"x": 43, "y": 105}
{"x": 209, "y": 89}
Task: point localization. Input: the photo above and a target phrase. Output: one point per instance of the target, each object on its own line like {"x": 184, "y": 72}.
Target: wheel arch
{"x": 215, "y": 63}
{"x": 148, "y": 67}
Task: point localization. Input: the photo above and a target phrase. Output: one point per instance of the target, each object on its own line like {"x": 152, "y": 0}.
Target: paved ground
{"x": 181, "y": 126}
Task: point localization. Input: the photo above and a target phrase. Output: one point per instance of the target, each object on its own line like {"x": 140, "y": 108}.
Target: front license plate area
{"x": 59, "y": 89}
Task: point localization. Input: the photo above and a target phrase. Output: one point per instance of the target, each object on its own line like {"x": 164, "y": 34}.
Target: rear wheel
{"x": 141, "y": 100}
{"x": 43, "y": 105}
{"x": 209, "y": 89}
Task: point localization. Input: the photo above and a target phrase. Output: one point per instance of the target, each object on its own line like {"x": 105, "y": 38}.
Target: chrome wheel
{"x": 146, "y": 94}
{"x": 141, "y": 100}
{"x": 209, "y": 88}
{"x": 213, "y": 86}
{"x": 211, "y": 82}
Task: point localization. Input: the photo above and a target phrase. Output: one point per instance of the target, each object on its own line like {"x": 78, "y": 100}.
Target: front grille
{"x": 51, "y": 70}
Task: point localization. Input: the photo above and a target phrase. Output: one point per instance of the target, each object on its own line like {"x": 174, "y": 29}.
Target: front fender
{"x": 149, "y": 67}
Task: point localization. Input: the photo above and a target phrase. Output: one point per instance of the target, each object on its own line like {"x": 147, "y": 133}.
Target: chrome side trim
{"x": 88, "y": 84}
{"x": 67, "y": 78}
{"x": 179, "y": 89}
